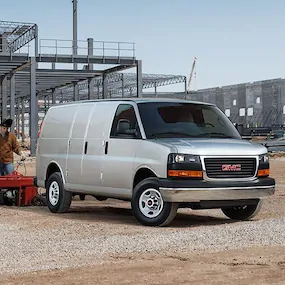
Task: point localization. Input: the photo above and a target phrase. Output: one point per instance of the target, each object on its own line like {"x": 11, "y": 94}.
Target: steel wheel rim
{"x": 54, "y": 193}
{"x": 151, "y": 203}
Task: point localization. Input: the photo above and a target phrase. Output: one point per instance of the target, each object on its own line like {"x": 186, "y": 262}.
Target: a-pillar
{"x": 34, "y": 123}
{"x": 139, "y": 79}
{"x": 105, "y": 86}
{"x": 12, "y": 101}
{"x": 4, "y": 98}
{"x": 75, "y": 92}
{"x": 23, "y": 119}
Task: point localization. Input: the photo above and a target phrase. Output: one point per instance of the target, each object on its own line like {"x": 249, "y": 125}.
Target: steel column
{"x": 12, "y": 101}
{"x": 123, "y": 85}
{"x": 74, "y": 45}
{"x": 75, "y": 92}
{"x": 4, "y": 98}
{"x": 139, "y": 79}
{"x": 18, "y": 118}
{"x": 98, "y": 90}
{"x": 185, "y": 88}
{"x": 23, "y": 119}
{"x": 90, "y": 88}
{"x": 155, "y": 89}
{"x": 90, "y": 51}
{"x": 34, "y": 107}
{"x": 105, "y": 86}
{"x": 53, "y": 97}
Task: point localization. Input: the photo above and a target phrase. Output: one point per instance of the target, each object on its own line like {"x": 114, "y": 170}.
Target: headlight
{"x": 183, "y": 158}
{"x": 263, "y": 158}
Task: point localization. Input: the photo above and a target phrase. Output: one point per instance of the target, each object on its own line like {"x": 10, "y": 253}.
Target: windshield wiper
{"x": 155, "y": 135}
{"x": 215, "y": 134}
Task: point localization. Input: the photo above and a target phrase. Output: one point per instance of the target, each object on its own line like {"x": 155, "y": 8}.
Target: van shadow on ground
{"x": 122, "y": 214}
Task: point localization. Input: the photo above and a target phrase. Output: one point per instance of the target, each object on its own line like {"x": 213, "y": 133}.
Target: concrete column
{"x": 53, "y": 65}
{"x": 12, "y": 101}
{"x": 105, "y": 86}
{"x": 23, "y": 119}
{"x": 34, "y": 107}
{"x": 139, "y": 78}
{"x": 4, "y": 98}
{"x": 75, "y": 92}
{"x": 123, "y": 85}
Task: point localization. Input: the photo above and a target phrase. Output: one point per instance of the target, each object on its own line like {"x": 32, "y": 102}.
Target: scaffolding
{"x": 40, "y": 74}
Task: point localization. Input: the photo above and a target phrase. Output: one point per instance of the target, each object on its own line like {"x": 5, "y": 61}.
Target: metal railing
{"x": 100, "y": 48}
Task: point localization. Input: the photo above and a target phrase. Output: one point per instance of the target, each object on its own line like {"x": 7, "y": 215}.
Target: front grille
{"x": 230, "y": 167}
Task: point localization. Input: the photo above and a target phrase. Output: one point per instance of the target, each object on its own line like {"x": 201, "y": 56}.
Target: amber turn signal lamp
{"x": 263, "y": 172}
{"x": 185, "y": 173}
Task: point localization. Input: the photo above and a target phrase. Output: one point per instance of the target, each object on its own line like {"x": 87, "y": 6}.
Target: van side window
{"x": 125, "y": 123}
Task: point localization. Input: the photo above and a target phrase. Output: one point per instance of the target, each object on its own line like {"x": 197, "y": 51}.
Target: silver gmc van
{"x": 160, "y": 154}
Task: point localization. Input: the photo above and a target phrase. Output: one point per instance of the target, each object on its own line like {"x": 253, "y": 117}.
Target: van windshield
{"x": 185, "y": 120}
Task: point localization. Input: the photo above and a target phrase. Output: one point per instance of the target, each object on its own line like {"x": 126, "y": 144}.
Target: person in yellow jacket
{"x": 8, "y": 145}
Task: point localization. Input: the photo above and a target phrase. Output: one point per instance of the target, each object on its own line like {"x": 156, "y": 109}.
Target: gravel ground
{"x": 23, "y": 251}
{"x": 95, "y": 233}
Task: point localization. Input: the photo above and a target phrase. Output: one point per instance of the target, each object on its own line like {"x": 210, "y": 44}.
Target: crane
{"x": 191, "y": 74}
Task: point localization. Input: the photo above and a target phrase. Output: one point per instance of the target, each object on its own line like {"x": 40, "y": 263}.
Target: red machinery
{"x": 19, "y": 190}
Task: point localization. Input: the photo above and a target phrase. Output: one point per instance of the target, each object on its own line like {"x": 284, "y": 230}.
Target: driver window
{"x": 125, "y": 112}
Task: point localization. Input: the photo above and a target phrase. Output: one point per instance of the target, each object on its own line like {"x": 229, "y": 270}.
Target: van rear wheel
{"x": 243, "y": 213}
{"x": 148, "y": 206}
{"x": 58, "y": 199}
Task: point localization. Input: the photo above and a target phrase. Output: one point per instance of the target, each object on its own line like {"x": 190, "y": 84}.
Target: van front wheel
{"x": 58, "y": 199}
{"x": 148, "y": 206}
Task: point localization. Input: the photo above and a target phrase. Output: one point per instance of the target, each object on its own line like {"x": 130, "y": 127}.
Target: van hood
{"x": 220, "y": 147}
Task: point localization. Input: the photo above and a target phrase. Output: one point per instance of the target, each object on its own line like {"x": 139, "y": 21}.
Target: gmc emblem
{"x": 231, "y": 167}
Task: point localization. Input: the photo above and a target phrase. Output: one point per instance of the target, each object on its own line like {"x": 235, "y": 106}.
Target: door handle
{"x": 106, "y": 147}
{"x": 85, "y": 147}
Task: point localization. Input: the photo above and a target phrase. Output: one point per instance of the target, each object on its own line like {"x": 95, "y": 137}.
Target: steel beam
{"x": 4, "y": 98}
{"x": 139, "y": 79}
{"x": 34, "y": 107}
{"x": 12, "y": 101}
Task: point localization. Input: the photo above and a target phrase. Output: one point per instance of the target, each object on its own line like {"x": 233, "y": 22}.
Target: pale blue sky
{"x": 234, "y": 41}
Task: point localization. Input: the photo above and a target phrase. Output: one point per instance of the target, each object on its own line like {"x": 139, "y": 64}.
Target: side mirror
{"x": 124, "y": 128}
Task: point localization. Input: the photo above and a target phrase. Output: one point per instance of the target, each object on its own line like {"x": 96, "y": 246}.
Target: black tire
{"x": 82, "y": 197}
{"x": 168, "y": 210}
{"x": 64, "y": 197}
{"x": 243, "y": 213}
{"x": 100, "y": 198}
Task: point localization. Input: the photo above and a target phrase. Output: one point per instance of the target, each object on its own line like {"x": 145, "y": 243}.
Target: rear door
{"x": 76, "y": 147}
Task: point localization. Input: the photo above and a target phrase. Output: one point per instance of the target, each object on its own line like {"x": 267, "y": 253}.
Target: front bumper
{"x": 201, "y": 190}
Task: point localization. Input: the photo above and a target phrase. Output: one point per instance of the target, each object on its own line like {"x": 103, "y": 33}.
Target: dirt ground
{"x": 253, "y": 265}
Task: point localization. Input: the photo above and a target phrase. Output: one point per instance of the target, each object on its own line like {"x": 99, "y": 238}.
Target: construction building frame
{"x": 27, "y": 89}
